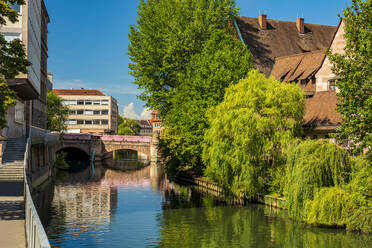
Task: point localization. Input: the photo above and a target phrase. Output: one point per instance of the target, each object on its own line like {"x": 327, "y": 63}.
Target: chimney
{"x": 262, "y": 21}
{"x": 300, "y": 25}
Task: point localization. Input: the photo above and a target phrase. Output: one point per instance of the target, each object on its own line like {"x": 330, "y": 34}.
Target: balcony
{"x": 24, "y": 88}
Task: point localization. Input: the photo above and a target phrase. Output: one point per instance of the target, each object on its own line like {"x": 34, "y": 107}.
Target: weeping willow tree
{"x": 249, "y": 131}
{"x": 312, "y": 165}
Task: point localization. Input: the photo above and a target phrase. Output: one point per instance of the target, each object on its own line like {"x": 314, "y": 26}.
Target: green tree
{"x": 167, "y": 35}
{"x": 184, "y": 55}
{"x": 249, "y": 132}
{"x": 223, "y": 61}
{"x": 313, "y": 164}
{"x": 355, "y": 71}
{"x": 12, "y": 59}
{"x": 128, "y": 127}
{"x": 57, "y": 113}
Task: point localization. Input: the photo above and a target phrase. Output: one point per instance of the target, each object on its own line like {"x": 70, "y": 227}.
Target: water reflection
{"x": 143, "y": 209}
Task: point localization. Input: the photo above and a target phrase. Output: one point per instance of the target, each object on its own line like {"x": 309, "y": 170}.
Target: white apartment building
{"x": 90, "y": 111}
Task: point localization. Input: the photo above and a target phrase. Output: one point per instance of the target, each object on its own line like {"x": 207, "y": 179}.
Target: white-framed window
{"x": 96, "y": 102}
{"x": 11, "y": 36}
{"x": 71, "y": 122}
{"x": 88, "y": 102}
{"x": 332, "y": 84}
{"x": 19, "y": 112}
{"x": 69, "y": 102}
{"x": 104, "y": 102}
{"x": 88, "y": 112}
{"x": 104, "y": 112}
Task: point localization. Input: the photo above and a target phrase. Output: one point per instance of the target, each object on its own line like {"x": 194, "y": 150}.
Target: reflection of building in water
{"x": 85, "y": 202}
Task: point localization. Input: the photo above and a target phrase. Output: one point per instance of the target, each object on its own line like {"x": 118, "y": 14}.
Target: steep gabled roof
{"x": 281, "y": 38}
{"x": 78, "y": 92}
{"x": 320, "y": 111}
{"x": 299, "y": 66}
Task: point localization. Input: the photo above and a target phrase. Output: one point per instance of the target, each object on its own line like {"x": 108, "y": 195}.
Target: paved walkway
{"x": 12, "y": 222}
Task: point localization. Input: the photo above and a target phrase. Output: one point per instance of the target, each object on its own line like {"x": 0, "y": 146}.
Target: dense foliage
{"x": 184, "y": 54}
{"x": 128, "y": 126}
{"x": 222, "y": 62}
{"x": 325, "y": 187}
{"x": 354, "y": 69}
{"x": 12, "y": 59}
{"x": 57, "y": 113}
{"x": 249, "y": 132}
{"x": 312, "y": 164}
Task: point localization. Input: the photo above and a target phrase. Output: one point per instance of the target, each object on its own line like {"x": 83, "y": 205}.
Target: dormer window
{"x": 332, "y": 84}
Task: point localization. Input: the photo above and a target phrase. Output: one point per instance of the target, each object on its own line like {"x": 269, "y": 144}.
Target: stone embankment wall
{"x": 213, "y": 189}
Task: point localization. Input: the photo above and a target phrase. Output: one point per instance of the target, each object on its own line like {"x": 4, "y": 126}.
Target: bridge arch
{"x": 76, "y": 157}
{"x": 130, "y": 154}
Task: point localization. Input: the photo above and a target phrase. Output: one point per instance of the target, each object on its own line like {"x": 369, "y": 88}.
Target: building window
{"x": 303, "y": 82}
{"x": 104, "y": 112}
{"x": 80, "y": 112}
{"x": 332, "y": 84}
{"x": 104, "y": 122}
{"x": 11, "y": 36}
{"x": 88, "y": 122}
{"x": 96, "y": 102}
{"x": 80, "y": 102}
{"x": 97, "y": 112}
{"x": 71, "y": 122}
{"x": 72, "y": 112}
{"x": 19, "y": 112}
{"x": 69, "y": 102}
{"x": 80, "y": 122}
{"x": 88, "y": 102}
{"x": 104, "y": 102}
{"x": 88, "y": 112}
{"x": 96, "y": 122}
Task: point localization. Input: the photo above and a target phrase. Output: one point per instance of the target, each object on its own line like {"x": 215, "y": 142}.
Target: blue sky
{"x": 88, "y": 40}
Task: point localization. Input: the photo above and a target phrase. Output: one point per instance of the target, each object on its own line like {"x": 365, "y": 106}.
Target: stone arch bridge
{"x": 101, "y": 148}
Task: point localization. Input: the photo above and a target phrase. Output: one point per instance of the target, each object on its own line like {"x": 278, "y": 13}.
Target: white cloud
{"x": 129, "y": 112}
{"x": 146, "y": 114}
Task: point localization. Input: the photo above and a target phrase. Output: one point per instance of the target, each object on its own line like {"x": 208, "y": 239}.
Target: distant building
{"x": 146, "y": 128}
{"x": 156, "y": 123}
{"x": 91, "y": 111}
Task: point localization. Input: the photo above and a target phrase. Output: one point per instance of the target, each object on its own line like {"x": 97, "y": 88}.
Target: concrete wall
{"x": 325, "y": 73}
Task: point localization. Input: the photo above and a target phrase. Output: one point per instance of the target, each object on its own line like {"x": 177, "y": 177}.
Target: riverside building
{"x": 90, "y": 111}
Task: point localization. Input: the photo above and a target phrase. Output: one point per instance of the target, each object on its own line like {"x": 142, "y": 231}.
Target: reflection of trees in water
{"x": 248, "y": 226}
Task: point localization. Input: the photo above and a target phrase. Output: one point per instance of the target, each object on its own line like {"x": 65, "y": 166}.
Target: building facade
{"x": 90, "y": 111}
{"x": 146, "y": 128}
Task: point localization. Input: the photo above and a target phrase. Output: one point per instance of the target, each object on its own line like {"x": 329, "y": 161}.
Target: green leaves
{"x": 355, "y": 71}
{"x": 57, "y": 113}
{"x": 249, "y": 131}
{"x": 128, "y": 126}
{"x": 7, "y": 98}
{"x": 184, "y": 56}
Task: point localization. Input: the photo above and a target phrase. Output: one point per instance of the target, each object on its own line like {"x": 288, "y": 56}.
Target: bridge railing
{"x": 35, "y": 233}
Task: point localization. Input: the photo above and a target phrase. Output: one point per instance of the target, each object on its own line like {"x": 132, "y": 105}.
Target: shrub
{"x": 311, "y": 165}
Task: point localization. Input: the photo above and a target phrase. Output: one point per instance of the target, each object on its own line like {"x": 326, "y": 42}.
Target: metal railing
{"x": 35, "y": 233}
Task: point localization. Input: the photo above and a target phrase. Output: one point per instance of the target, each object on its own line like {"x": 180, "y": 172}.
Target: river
{"x": 142, "y": 208}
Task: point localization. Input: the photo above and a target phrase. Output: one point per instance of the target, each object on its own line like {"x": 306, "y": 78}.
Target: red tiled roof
{"x": 320, "y": 111}
{"x": 78, "y": 92}
{"x": 281, "y": 38}
{"x": 298, "y": 66}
